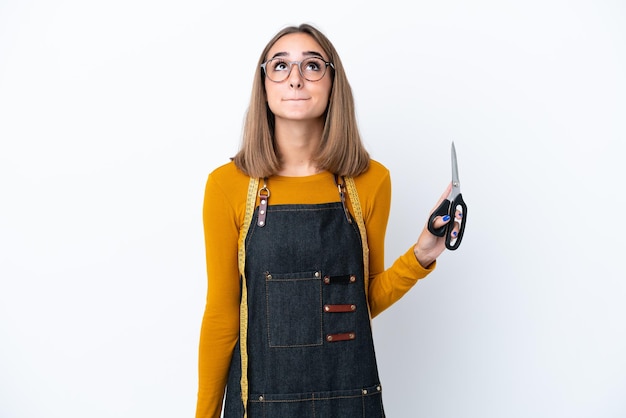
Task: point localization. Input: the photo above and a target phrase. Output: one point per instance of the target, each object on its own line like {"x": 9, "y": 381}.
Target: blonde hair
{"x": 341, "y": 150}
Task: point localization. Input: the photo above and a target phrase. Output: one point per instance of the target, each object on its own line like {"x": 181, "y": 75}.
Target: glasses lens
{"x": 313, "y": 69}
{"x": 277, "y": 69}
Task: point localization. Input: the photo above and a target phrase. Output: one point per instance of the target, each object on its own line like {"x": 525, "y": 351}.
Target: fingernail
{"x": 446, "y": 218}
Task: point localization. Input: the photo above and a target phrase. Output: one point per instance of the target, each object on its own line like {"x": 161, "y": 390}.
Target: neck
{"x": 297, "y": 145}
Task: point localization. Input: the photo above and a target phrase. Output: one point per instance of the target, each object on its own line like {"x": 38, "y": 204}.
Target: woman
{"x": 294, "y": 230}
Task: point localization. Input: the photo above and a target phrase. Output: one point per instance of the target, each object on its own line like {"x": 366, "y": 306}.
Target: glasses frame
{"x": 299, "y": 65}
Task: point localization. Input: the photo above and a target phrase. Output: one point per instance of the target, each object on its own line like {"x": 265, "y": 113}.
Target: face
{"x": 296, "y": 98}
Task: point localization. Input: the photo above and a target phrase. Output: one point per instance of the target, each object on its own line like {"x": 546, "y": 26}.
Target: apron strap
{"x": 253, "y": 185}
{"x": 358, "y": 214}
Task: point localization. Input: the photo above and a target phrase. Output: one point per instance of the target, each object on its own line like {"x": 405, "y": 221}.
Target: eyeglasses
{"x": 311, "y": 69}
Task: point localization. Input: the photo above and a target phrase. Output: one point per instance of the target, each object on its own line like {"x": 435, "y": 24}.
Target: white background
{"x": 113, "y": 113}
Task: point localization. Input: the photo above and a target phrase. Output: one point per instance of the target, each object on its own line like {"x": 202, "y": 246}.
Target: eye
{"x": 312, "y": 64}
{"x": 279, "y": 65}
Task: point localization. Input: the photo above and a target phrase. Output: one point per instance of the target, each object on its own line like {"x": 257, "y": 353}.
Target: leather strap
{"x": 344, "y": 336}
{"x": 347, "y": 307}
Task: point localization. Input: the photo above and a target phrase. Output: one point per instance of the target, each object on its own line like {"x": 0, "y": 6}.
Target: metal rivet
{"x": 268, "y": 277}
{"x": 329, "y": 338}
{"x": 262, "y": 211}
{"x": 353, "y": 307}
{"x": 327, "y": 308}
{"x": 378, "y": 388}
{"x": 263, "y": 201}
{"x": 261, "y": 398}
{"x": 351, "y": 336}
{"x": 364, "y": 391}
{"x": 352, "y": 279}
{"x": 261, "y": 223}
{"x": 317, "y": 274}
{"x": 326, "y": 279}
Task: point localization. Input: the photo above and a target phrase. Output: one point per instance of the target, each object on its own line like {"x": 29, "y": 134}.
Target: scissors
{"x": 455, "y": 207}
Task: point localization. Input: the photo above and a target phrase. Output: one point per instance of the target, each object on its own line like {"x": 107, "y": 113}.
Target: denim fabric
{"x": 297, "y": 264}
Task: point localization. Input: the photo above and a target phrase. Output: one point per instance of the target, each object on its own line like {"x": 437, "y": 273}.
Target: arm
{"x": 387, "y": 286}
{"x": 220, "y": 323}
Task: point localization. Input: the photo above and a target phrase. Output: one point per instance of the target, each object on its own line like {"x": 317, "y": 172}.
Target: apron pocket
{"x": 294, "y": 309}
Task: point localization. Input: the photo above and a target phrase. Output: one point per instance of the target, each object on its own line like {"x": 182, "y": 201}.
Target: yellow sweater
{"x": 223, "y": 214}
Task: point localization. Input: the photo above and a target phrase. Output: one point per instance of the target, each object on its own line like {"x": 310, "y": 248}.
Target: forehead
{"x": 296, "y": 45}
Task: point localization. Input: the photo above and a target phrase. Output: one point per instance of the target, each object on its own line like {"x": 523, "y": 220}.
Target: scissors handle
{"x": 441, "y": 210}
{"x": 457, "y": 209}
{"x": 458, "y": 218}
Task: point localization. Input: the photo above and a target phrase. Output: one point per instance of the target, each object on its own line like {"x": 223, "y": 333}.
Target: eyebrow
{"x": 305, "y": 53}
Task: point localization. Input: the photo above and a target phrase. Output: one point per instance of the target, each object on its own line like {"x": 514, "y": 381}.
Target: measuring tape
{"x": 353, "y": 195}
{"x": 243, "y": 305}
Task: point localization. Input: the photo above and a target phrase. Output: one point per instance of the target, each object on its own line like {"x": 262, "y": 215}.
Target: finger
{"x": 455, "y": 231}
{"x": 440, "y": 221}
{"x": 454, "y": 234}
{"x": 458, "y": 215}
{"x": 439, "y": 214}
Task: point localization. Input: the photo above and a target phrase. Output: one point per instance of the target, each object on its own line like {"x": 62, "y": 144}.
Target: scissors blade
{"x": 456, "y": 184}
{"x": 458, "y": 208}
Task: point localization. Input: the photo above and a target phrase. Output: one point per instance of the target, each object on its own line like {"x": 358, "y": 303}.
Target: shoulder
{"x": 229, "y": 174}
{"x": 227, "y": 171}
{"x": 376, "y": 176}
{"x": 377, "y": 168}
{"x": 229, "y": 180}
{"x": 374, "y": 188}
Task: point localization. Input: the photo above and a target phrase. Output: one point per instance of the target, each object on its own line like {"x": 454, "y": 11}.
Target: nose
{"x": 295, "y": 78}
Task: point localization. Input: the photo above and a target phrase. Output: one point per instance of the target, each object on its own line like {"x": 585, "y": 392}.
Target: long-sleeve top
{"x": 223, "y": 215}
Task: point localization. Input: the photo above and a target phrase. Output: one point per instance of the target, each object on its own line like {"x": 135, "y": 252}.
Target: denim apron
{"x": 308, "y": 347}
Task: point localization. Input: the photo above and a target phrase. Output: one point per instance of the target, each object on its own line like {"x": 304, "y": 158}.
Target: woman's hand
{"x": 429, "y": 246}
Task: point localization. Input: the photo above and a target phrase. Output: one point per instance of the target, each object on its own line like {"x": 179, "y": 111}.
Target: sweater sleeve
{"x": 220, "y": 323}
{"x": 386, "y": 286}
